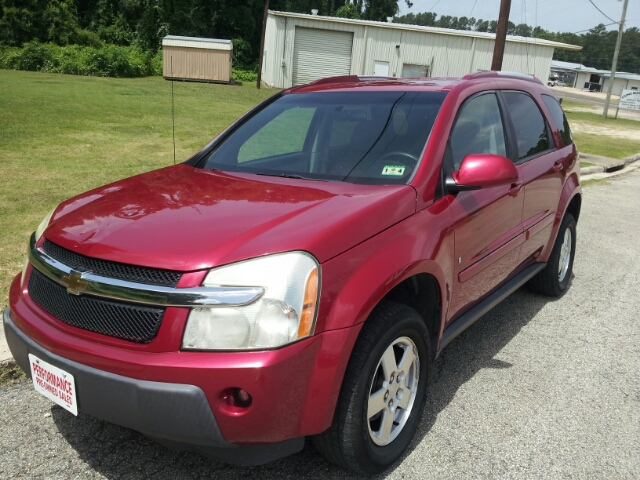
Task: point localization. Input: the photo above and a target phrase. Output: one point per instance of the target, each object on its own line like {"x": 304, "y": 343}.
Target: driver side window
{"x": 478, "y": 129}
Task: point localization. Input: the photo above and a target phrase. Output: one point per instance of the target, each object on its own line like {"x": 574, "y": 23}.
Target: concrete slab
{"x": 609, "y": 164}
{"x": 5, "y": 353}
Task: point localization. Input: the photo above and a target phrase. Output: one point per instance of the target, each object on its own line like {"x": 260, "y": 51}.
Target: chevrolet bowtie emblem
{"x": 74, "y": 283}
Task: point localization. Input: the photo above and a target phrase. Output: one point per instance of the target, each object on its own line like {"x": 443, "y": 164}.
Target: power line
{"x": 588, "y": 29}
{"x": 591, "y": 2}
{"x": 474, "y": 6}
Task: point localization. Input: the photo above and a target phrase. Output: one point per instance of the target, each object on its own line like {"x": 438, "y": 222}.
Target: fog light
{"x": 242, "y": 397}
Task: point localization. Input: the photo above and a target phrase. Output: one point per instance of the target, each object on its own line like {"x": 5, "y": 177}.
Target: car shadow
{"x": 117, "y": 452}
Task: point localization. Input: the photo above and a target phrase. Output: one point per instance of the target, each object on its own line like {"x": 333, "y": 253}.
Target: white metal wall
{"x": 446, "y": 55}
{"x": 620, "y": 83}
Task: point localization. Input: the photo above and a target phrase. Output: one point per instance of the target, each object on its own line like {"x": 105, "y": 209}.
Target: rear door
{"x": 541, "y": 167}
{"x": 488, "y": 221}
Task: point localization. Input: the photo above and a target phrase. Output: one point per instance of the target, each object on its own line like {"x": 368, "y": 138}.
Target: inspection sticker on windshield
{"x": 54, "y": 383}
{"x": 395, "y": 170}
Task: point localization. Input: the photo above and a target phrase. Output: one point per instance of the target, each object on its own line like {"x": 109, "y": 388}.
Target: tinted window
{"x": 560, "y": 118}
{"x": 531, "y": 129}
{"x": 359, "y": 137}
{"x": 478, "y": 129}
{"x": 284, "y": 134}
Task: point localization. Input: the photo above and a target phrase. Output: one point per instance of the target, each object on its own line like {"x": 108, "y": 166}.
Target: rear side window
{"x": 478, "y": 129}
{"x": 559, "y": 117}
{"x": 531, "y": 131}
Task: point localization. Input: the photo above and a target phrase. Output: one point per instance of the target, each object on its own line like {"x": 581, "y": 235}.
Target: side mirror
{"x": 482, "y": 170}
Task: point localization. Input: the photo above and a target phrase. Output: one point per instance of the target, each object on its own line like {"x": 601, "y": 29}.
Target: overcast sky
{"x": 553, "y": 15}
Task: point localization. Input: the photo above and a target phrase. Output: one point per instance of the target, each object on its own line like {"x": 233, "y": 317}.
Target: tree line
{"x": 143, "y": 23}
{"x": 597, "y": 44}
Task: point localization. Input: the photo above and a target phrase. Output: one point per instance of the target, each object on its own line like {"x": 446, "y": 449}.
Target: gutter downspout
{"x": 283, "y": 64}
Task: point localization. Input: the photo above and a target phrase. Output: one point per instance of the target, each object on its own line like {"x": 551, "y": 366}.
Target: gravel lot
{"x": 536, "y": 389}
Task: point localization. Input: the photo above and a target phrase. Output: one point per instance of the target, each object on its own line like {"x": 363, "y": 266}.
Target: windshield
{"x": 358, "y": 137}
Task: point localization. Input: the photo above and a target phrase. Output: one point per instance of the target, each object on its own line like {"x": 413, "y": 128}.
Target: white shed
{"x": 301, "y": 48}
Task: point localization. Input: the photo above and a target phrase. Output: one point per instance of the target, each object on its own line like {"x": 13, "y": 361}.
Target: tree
{"x": 350, "y": 10}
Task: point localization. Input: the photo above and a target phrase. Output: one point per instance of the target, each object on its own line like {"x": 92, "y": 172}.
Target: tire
{"x": 356, "y": 441}
{"x": 552, "y": 281}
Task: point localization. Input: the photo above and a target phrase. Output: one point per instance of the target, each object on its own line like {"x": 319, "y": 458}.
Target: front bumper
{"x": 176, "y": 415}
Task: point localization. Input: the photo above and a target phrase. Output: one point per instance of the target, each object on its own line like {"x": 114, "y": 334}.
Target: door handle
{"x": 515, "y": 188}
{"x": 558, "y": 166}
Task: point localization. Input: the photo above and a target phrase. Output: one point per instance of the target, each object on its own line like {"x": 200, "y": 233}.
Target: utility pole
{"x": 501, "y": 35}
{"x": 261, "y": 52}
{"x": 615, "y": 61}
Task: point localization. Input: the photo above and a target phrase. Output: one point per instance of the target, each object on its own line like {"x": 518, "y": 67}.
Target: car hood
{"x": 185, "y": 218}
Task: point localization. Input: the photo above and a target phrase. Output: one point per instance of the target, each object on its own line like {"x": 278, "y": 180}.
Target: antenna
{"x": 173, "y": 115}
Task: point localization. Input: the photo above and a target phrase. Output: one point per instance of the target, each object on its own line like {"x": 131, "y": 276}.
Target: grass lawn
{"x": 61, "y": 135}
{"x": 612, "y": 147}
{"x": 605, "y": 146}
{"x": 568, "y": 103}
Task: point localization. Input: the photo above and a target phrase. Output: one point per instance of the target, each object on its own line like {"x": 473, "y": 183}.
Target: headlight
{"x": 285, "y": 313}
{"x": 44, "y": 224}
{"x": 39, "y": 231}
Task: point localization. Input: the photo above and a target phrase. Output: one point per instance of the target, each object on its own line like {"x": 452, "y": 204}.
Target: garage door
{"x": 320, "y": 53}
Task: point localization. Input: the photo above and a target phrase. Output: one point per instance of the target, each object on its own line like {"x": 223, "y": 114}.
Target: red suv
{"x": 298, "y": 276}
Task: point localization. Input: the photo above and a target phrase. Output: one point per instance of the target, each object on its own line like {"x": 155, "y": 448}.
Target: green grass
{"x": 597, "y": 119}
{"x": 61, "y": 135}
{"x": 606, "y": 146}
{"x": 569, "y": 103}
{"x": 587, "y": 164}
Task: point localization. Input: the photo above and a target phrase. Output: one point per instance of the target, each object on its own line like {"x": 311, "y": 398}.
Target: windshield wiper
{"x": 291, "y": 175}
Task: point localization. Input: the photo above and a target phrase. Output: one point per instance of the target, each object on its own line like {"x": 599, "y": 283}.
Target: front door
{"x": 487, "y": 222}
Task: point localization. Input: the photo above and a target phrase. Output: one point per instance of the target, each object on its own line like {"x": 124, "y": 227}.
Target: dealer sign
{"x": 630, "y": 99}
{"x": 54, "y": 383}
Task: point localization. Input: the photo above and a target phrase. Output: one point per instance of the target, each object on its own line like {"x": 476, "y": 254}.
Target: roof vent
{"x": 389, "y": 19}
{"x": 314, "y": 12}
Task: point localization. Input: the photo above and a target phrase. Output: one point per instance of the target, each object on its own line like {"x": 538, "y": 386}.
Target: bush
{"x": 106, "y": 61}
{"x": 244, "y": 75}
{"x": 349, "y": 10}
{"x": 242, "y": 57}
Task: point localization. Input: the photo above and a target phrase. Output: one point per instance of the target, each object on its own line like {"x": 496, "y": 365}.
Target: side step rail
{"x": 465, "y": 321}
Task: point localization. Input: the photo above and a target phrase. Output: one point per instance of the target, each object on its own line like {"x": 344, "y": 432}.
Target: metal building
{"x": 200, "y": 59}
{"x": 301, "y": 48}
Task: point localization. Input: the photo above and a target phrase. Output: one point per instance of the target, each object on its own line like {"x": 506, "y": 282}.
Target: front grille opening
{"x": 116, "y": 319}
{"x": 121, "y": 271}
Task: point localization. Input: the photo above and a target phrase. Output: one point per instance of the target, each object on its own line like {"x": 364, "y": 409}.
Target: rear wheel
{"x": 554, "y": 279}
{"x": 383, "y": 392}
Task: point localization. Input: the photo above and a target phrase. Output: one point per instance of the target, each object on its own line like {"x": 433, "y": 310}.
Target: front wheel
{"x": 554, "y": 279}
{"x": 383, "y": 392}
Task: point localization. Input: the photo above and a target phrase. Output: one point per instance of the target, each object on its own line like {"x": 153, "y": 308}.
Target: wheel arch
{"x": 422, "y": 293}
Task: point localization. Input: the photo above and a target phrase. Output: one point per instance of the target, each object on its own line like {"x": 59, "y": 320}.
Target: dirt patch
{"x": 11, "y": 373}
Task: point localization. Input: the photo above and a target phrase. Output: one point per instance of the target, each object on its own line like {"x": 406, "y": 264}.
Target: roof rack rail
{"x": 338, "y": 79}
{"x": 500, "y": 73}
